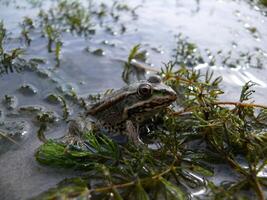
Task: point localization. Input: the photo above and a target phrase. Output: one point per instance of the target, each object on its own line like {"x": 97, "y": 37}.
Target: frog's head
{"x": 136, "y": 101}
{"x": 150, "y": 96}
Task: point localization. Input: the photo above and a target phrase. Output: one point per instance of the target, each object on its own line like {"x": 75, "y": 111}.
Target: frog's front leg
{"x": 133, "y": 132}
{"x": 76, "y": 128}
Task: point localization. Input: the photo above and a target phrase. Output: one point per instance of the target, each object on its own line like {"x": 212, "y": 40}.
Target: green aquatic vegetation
{"x": 230, "y": 132}
{"x": 128, "y": 168}
{"x": 58, "y": 51}
{"x": 135, "y": 54}
{"x": 68, "y": 16}
{"x": 6, "y": 58}
{"x": 10, "y": 60}
{"x": 67, "y": 189}
{"x": 52, "y": 34}
{"x": 188, "y": 54}
{"x": 260, "y": 2}
{"x": 27, "y": 26}
{"x": 2, "y": 36}
{"x": 263, "y": 2}
{"x": 189, "y": 142}
{"x": 76, "y": 17}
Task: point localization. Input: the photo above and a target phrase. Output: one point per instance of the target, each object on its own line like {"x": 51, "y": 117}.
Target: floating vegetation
{"x": 224, "y": 131}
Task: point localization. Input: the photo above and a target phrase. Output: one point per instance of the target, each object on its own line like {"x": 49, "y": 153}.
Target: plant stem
{"x": 131, "y": 183}
{"x": 258, "y": 188}
{"x": 250, "y": 105}
{"x": 239, "y": 104}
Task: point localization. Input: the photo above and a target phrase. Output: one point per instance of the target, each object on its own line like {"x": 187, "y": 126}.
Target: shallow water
{"x": 214, "y": 25}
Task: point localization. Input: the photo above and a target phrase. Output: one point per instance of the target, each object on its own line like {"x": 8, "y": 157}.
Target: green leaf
{"x": 172, "y": 191}
{"x": 116, "y": 194}
{"x": 201, "y": 170}
{"x": 52, "y": 153}
{"x": 133, "y": 52}
{"x": 246, "y": 91}
{"x": 140, "y": 193}
{"x": 74, "y": 188}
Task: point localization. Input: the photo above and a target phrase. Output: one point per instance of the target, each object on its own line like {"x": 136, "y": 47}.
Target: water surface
{"x": 212, "y": 25}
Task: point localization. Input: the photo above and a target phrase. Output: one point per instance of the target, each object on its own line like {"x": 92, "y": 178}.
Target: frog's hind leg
{"x": 76, "y": 129}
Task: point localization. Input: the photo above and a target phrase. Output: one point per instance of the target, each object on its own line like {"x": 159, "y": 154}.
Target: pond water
{"x": 216, "y": 27}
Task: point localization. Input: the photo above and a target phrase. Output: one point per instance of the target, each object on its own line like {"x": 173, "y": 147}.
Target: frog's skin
{"x": 123, "y": 111}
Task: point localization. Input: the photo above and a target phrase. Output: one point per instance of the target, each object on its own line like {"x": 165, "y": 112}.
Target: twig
{"x": 258, "y": 188}
{"x": 9, "y": 138}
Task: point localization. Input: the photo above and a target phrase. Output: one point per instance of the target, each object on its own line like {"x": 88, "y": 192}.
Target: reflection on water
{"x": 229, "y": 37}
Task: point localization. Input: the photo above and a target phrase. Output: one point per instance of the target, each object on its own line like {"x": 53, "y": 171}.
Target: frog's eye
{"x": 144, "y": 90}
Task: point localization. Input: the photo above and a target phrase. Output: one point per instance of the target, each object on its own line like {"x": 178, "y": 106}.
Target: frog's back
{"x": 114, "y": 101}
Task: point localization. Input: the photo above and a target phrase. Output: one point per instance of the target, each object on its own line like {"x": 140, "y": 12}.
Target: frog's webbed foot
{"x": 133, "y": 133}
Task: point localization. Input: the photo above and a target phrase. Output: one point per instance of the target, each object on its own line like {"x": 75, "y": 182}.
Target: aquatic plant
{"x": 260, "y": 2}
{"x": 263, "y": 2}
{"x": 27, "y": 26}
{"x": 135, "y": 54}
{"x": 8, "y": 59}
{"x": 68, "y": 16}
{"x": 189, "y": 54}
{"x": 190, "y": 142}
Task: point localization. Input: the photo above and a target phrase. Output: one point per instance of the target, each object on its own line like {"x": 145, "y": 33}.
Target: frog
{"x": 125, "y": 110}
